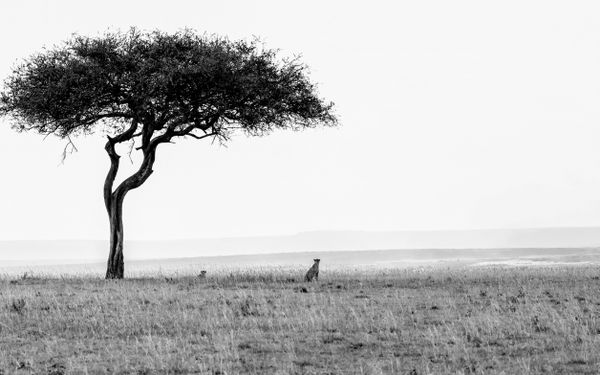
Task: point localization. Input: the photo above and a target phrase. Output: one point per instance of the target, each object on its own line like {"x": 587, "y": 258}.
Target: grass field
{"x": 464, "y": 320}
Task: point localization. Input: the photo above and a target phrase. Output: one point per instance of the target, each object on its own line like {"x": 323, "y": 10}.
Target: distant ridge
{"x": 88, "y": 250}
{"x": 400, "y": 256}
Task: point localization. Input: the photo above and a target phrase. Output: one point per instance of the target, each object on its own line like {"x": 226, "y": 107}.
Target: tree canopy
{"x": 171, "y": 84}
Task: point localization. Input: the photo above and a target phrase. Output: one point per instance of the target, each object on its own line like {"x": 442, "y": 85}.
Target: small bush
{"x": 18, "y": 305}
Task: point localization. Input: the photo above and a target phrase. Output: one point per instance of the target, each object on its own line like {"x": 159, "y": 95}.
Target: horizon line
{"x": 314, "y": 231}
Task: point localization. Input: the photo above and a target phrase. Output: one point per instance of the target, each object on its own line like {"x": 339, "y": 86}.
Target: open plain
{"x": 436, "y": 320}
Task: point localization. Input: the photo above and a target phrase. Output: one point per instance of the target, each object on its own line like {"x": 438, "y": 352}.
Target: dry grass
{"x": 457, "y": 321}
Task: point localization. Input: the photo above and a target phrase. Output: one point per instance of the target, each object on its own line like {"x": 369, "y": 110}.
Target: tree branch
{"x": 114, "y": 160}
{"x": 138, "y": 178}
{"x": 126, "y": 135}
{"x": 65, "y": 150}
{"x": 131, "y": 150}
{"x": 112, "y": 173}
{"x": 92, "y": 119}
{"x": 205, "y": 135}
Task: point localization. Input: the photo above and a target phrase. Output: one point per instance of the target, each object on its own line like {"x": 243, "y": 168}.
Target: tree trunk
{"x": 113, "y": 200}
{"x": 115, "y": 267}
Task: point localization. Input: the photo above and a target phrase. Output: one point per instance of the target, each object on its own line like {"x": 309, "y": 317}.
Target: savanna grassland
{"x": 405, "y": 321}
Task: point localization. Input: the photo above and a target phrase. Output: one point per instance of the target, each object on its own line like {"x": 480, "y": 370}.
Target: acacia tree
{"x": 151, "y": 88}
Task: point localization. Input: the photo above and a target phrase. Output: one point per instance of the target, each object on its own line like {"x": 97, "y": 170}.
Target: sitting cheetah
{"x": 313, "y": 272}
{"x": 202, "y": 275}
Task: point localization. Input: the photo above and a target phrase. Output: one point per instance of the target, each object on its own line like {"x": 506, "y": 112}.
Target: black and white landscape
{"x": 267, "y": 187}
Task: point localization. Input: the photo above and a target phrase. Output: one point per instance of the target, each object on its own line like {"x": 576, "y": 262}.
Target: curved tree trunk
{"x": 115, "y": 267}
{"x": 113, "y": 200}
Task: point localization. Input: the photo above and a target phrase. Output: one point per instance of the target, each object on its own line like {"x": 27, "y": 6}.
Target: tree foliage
{"x": 169, "y": 84}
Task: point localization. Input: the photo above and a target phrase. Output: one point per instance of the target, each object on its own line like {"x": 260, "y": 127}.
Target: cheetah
{"x": 313, "y": 272}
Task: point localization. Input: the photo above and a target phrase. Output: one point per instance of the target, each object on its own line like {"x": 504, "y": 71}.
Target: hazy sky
{"x": 453, "y": 115}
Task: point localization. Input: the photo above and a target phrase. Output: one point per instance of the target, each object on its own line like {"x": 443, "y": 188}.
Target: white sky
{"x": 454, "y": 115}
